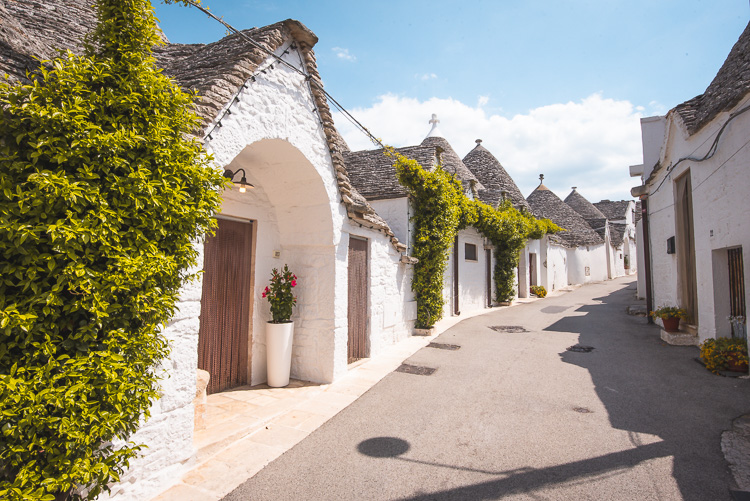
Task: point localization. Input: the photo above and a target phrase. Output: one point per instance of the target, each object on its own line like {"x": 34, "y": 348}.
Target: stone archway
{"x": 293, "y": 208}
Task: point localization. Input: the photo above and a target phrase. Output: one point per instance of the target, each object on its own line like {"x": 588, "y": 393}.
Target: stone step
{"x": 679, "y": 338}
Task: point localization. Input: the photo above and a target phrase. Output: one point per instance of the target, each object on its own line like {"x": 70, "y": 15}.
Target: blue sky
{"x": 550, "y": 86}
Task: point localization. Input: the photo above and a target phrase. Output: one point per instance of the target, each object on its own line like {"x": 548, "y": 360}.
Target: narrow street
{"x": 512, "y": 414}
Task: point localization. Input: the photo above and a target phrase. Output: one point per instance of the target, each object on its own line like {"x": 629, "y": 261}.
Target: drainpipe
{"x": 647, "y": 257}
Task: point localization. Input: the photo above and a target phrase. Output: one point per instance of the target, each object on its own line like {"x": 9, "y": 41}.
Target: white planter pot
{"x": 279, "y": 353}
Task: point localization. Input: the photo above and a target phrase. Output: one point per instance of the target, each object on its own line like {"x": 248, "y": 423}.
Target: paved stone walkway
{"x": 735, "y": 444}
{"x": 250, "y": 426}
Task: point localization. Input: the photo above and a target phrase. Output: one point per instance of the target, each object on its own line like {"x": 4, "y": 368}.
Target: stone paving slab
{"x": 248, "y": 427}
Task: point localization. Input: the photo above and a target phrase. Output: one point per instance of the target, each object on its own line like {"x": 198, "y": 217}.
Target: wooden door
{"x": 686, "y": 247}
{"x": 532, "y": 269}
{"x": 358, "y": 299}
{"x": 225, "y": 306}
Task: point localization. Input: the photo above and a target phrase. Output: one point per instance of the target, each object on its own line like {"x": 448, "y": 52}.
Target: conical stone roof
{"x": 586, "y": 209}
{"x": 730, "y": 85}
{"x": 496, "y": 180}
{"x": 451, "y": 162}
{"x": 545, "y": 204}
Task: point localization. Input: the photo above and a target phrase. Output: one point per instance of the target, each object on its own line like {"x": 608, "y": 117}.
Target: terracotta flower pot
{"x": 734, "y": 364}
{"x": 671, "y": 324}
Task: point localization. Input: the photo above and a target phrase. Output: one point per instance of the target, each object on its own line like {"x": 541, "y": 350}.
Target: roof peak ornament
{"x": 434, "y": 132}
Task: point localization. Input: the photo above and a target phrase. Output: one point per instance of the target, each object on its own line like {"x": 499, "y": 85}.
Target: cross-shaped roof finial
{"x": 434, "y": 132}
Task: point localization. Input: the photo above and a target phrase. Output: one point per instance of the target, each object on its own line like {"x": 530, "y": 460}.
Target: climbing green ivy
{"x": 441, "y": 209}
{"x": 102, "y": 196}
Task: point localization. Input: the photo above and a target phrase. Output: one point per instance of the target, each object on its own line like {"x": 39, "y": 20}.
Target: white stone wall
{"x": 591, "y": 258}
{"x": 720, "y": 207}
{"x": 392, "y": 308}
{"x": 472, "y": 287}
{"x": 274, "y": 134}
{"x": 619, "y": 259}
{"x": 168, "y": 434}
{"x": 554, "y": 266}
{"x": 396, "y": 213}
{"x": 525, "y": 281}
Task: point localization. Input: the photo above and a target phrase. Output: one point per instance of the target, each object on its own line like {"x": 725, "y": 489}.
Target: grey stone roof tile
{"x": 614, "y": 211}
{"x": 374, "y": 175}
{"x": 451, "y": 162}
{"x": 730, "y": 85}
{"x": 545, "y": 204}
{"x": 582, "y": 206}
{"x": 33, "y": 29}
{"x": 496, "y": 180}
{"x": 617, "y": 233}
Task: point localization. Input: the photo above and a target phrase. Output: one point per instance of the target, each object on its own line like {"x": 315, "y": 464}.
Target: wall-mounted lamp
{"x": 244, "y": 185}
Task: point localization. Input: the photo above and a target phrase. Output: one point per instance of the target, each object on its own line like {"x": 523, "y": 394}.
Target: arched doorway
{"x": 291, "y": 212}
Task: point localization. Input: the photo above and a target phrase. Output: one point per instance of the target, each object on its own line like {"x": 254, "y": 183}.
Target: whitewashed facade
{"x": 275, "y": 129}
{"x": 695, "y": 190}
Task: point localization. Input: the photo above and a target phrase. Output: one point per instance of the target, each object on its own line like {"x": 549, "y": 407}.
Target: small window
{"x": 470, "y": 252}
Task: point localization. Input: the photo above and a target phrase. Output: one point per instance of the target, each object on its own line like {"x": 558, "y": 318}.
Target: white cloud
{"x": 483, "y": 100}
{"x": 342, "y": 53}
{"x": 656, "y": 108}
{"x": 426, "y": 76}
{"x": 588, "y": 144}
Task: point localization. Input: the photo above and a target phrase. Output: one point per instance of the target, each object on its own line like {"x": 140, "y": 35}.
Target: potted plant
{"x": 670, "y": 317}
{"x": 725, "y": 353}
{"x": 280, "y": 329}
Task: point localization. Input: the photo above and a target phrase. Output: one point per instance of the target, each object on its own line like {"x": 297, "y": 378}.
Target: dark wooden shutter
{"x": 358, "y": 287}
{"x": 736, "y": 283}
{"x": 225, "y": 306}
{"x": 686, "y": 247}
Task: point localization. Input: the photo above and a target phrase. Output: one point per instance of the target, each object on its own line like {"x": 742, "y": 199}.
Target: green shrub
{"x": 538, "y": 290}
{"x": 101, "y": 199}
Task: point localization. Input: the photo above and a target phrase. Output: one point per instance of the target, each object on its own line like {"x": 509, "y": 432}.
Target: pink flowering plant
{"x": 279, "y": 294}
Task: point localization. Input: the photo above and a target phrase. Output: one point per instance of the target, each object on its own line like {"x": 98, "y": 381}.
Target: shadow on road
{"x": 653, "y": 388}
{"x": 518, "y": 480}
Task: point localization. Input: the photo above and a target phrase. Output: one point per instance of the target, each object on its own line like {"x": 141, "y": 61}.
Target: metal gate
{"x": 225, "y": 306}
{"x": 357, "y": 311}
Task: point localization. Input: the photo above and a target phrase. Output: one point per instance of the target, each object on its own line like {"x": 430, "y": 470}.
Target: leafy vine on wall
{"x": 441, "y": 209}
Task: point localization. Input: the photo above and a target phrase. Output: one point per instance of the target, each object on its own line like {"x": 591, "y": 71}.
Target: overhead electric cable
{"x": 710, "y": 153}
{"x": 309, "y": 78}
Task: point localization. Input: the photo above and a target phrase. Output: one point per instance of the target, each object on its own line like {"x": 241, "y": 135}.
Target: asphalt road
{"x": 513, "y": 415}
